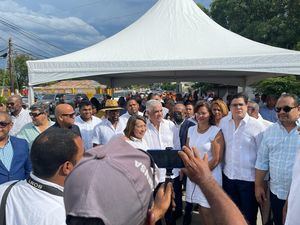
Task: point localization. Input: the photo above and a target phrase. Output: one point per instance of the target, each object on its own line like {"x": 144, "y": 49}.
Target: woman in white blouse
{"x": 135, "y": 131}
{"x": 208, "y": 139}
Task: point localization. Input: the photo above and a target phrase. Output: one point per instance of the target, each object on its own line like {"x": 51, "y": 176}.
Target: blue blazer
{"x": 20, "y": 165}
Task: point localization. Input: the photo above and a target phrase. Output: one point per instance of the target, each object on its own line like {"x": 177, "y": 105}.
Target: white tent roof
{"x": 173, "y": 41}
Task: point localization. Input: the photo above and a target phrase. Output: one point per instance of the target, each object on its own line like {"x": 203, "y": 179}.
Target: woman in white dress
{"x": 207, "y": 138}
{"x": 135, "y": 131}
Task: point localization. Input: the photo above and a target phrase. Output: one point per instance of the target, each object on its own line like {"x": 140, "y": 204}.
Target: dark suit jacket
{"x": 184, "y": 131}
{"x": 73, "y": 128}
{"x": 20, "y": 165}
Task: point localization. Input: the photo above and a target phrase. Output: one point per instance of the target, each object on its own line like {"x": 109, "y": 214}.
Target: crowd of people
{"x": 239, "y": 156}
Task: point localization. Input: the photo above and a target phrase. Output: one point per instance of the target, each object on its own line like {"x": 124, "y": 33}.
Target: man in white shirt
{"x": 161, "y": 134}
{"x": 86, "y": 123}
{"x": 253, "y": 110}
{"x": 132, "y": 107}
{"x": 19, "y": 116}
{"x": 39, "y": 199}
{"x": 109, "y": 126}
{"x": 242, "y": 135}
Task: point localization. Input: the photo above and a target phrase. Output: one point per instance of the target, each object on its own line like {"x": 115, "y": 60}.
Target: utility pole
{"x": 10, "y": 67}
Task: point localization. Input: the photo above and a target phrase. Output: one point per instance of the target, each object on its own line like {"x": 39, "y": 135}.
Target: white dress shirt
{"x": 138, "y": 143}
{"x": 19, "y": 121}
{"x": 87, "y": 130}
{"x": 28, "y": 205}
{"x": 242, "y": 144}
{"x": 160, "y": 139}
{"x": 104, "y": 131}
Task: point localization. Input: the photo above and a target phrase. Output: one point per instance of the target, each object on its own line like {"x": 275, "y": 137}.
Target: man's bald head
{"x": 64, "y": 114}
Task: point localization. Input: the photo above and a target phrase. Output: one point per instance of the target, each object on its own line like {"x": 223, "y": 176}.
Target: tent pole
{"x": 30, "y": 95}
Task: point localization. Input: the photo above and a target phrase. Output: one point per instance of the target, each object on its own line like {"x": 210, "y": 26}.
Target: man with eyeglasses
{"x": 65, "y": 118}
{"x": 14, "y": 154}
{"x": 242, "y": 135}
{"x": 19, "y": 116}
{"x": 276, "y": 155}
{"x": 40, "y": 122}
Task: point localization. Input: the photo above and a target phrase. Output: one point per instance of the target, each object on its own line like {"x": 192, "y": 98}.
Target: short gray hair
{"x": 43, "y": 108}
{"x": 255, "y": 105}
{"x": 151, "y": 103}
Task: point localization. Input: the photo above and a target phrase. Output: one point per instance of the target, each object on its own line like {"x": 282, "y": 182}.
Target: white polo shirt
{"x": 28, "y": 205}
{"x": 87, "y": 130}
{"x": 104, "y": 131}
{"x": 241, "y": 147}
{"x": 19, "y": 121}
{"x": 160, "y": 139}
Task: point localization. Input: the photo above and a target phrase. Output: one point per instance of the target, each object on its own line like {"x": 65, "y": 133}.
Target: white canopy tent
{"x": 173, "y": 41}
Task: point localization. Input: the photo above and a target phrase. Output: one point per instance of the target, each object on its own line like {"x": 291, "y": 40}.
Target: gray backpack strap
{"x": 3, "y": 203}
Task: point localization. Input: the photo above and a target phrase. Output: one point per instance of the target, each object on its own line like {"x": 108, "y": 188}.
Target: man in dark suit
{"x": 65, "y": 118}
{"x": 14, "y": 153}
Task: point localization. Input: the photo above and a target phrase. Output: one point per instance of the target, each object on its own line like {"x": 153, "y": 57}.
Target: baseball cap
{"x": 113, "y": 182}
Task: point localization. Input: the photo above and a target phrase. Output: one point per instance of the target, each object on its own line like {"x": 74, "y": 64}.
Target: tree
{"x": 277, "y": 85}
{"x": 21, "y": 70}
{"x": 169, "y": 86}
{"x": 271, "y": 22}
{"x": 4, "y": 80}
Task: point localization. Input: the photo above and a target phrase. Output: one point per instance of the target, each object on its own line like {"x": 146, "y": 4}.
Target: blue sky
{"x": 67, "y": 25}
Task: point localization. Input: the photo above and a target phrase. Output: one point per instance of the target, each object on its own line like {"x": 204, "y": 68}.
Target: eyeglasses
{"x": 237, "y": 104}
{"x": 4, "y": 124}
{"x": 284, "y": 108}
{"x": 70, "y": 115}
{"x": 35, "y": 114}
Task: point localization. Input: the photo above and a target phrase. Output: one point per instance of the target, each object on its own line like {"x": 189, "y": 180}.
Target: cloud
{"x": 68, "y": 33}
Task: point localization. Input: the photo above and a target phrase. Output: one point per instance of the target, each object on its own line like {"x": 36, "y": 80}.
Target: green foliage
{"x": 277, "y": 85}
{"x": 271, "y": 22}
{"x": 168, "y": 87}
{"x": 3, "y": 100}
{"x": 205, "y": 10}
{"x": 21, "y": 70}
{"x": 4, "y": 80}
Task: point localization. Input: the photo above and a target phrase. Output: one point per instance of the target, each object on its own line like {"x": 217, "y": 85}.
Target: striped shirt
{"x": 277, "y": 154}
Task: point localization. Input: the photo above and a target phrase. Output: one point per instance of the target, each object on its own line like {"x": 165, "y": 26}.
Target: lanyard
{"x": 43, "y": 187}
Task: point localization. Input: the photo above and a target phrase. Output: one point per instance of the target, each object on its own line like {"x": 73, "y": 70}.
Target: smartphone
{"x": 168, "y": 159}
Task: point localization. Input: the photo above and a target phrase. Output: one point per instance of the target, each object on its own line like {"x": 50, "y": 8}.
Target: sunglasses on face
{"x": 284, "y": 108}
{"x": 4, "y": 124}
{"x": 70, "y": 115}
{"x": 35, "y": 114}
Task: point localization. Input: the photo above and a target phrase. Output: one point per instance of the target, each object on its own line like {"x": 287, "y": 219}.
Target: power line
{"x": 27, "y": 34}
{"x": 25, "y": 49}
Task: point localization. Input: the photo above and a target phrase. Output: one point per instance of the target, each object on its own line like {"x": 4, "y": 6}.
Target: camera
{"x": 168, "y": 158}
